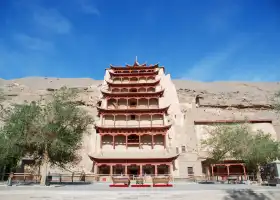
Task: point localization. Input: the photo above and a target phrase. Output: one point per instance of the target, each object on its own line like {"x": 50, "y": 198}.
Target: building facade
{"x": 134, "y": 126}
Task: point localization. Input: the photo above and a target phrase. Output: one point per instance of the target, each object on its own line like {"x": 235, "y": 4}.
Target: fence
{"x": 27, "y": 178}
{"x": 75, "y": 178}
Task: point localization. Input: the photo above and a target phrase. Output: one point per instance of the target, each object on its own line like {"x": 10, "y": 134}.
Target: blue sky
{"x": 206, "y": 40}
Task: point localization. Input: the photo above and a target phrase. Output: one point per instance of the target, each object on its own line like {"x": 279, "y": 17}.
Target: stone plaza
{"x": 180, "y": 191}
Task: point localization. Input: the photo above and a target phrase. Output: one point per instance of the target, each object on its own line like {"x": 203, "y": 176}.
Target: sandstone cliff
{"x": 213, "y": 97}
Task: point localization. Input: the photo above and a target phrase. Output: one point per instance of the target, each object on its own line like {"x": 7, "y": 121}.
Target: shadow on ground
{"x": 246, "y": 194}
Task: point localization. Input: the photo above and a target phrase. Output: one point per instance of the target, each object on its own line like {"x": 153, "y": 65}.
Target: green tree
{"x": 261, "y": 149}
{"x": 49, "y": 130}
{"x": 241, "y": 143}
{"x": 224, "y": 140}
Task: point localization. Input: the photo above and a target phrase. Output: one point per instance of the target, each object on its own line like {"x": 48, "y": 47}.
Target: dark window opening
{"x": 133, "y": 103}
{"x": 133, "y": 90}
{"x": 183, "y": 149}
{"x": 133, "y": 139}
{"x": 132, "y": 117}
{"x": 190, "y": 171}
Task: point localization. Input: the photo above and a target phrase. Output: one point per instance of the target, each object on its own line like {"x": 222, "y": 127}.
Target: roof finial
{"x": 136, "y": 62}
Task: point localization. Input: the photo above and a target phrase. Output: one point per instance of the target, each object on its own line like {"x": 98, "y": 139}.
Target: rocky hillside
{"x": 212, "y": 94}
{"x": 228, "y": 94}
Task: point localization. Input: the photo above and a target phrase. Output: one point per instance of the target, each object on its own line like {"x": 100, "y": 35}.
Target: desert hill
{"x": 220, "y": 94}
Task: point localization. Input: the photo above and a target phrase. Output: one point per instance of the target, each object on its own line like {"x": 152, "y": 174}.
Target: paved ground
{"x": 178, "y": 192}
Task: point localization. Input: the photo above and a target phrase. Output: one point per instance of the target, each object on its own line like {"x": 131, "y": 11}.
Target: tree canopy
{"x": 49, "y": 131}
{"x": 240, "y": 142}
{"x": 224, "y": 140}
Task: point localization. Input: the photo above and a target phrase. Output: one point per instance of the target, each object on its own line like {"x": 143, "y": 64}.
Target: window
{"x": 177, "y": 150}
{"x": 133, "y": 90}
{"x": 183, "y": 149}
{"x": 190, "y": 170}
{"x": 132, "y": 117}
{"x": 133, "y": 103}
{"x": 133, "y": 139}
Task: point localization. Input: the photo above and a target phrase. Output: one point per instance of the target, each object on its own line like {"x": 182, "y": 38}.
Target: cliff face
{"x": 228, "y": 94}
{"x": 220, "y": 99}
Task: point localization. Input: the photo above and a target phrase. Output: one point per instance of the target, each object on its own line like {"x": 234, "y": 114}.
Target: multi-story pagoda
{"x": 134, "y": 123}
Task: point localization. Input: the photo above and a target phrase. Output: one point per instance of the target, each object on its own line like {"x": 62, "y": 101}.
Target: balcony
{"x": 133, "y": 103}
{"x": 134, "y": 110}
{"x": 132, "y": 120}
{"x": 134, "y": 80}
{"x": 138, "y": 123}
{"x": 133, "y": 73}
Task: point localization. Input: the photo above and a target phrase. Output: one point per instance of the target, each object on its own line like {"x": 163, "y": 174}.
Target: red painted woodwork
{"x": 136, "y": 161}
{"x": 128, "y": 111}
{"x": 102, "y": 129}
{"x": 133, "y": 94}
{"x": 150, "y": 73}
{"x": 141, "y": 74}
{"x": 226, "y": 170}
{"x": 133, "y": 67}
{"x": 129, "y": 85}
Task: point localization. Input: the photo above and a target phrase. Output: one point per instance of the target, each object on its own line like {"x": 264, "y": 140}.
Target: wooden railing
{"x": 54, "y": 178}
{"x": 88, "y": 178}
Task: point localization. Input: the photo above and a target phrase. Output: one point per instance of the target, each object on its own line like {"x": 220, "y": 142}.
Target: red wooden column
{"x": 101, "y": 141}
{"x": 208, "y": 172}
{"x": 114, "y": 120}
{"x": 113, "y": 141}
{"x": 126, "y": 141}
{"x": 164, "y": 141}
{"x": 244, "y": 170}
{"x": 169, "y": 168}
{"x": 139, "y": 117}
{"x": 156, "y": 170}
{"x": 111, "y": 170}
{"x": 227, "y": 169}
{"x": 152, "y": 141}
{"x": 139, "y": 141}
{"x": 151, "y": 120}
{"x": 212, "y": 170}
{"x": 125, "y": 169}
{"x": 141, "y": 169}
